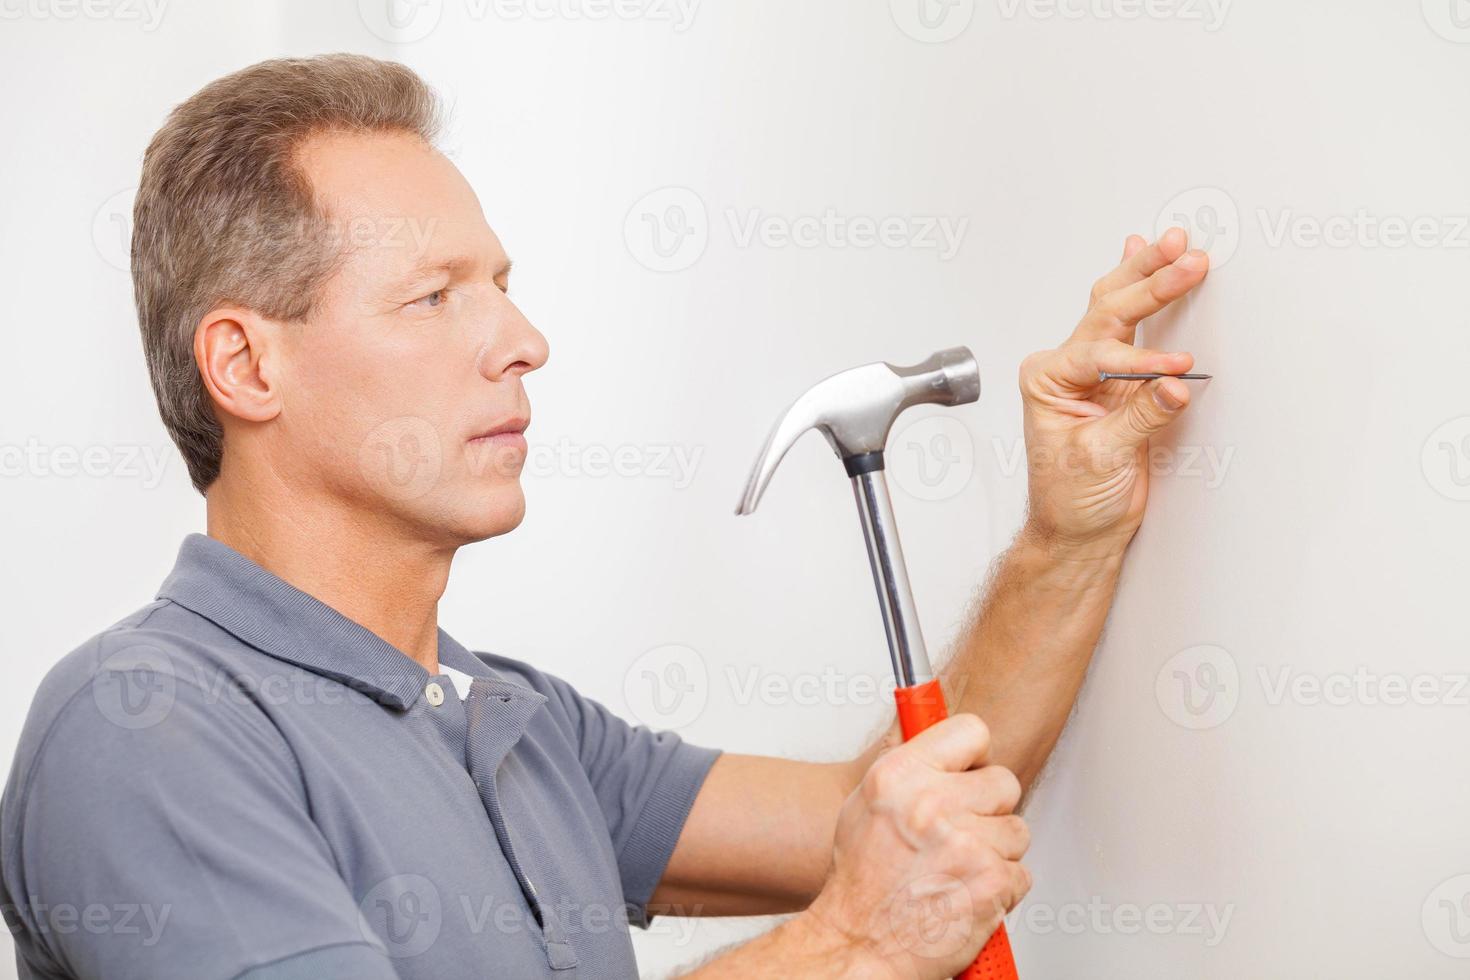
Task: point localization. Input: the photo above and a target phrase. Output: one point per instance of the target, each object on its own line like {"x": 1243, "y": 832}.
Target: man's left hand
{"x": 1086, "y": 440}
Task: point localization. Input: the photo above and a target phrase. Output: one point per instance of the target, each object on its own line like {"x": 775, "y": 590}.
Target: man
{"x": 282, "y": 768}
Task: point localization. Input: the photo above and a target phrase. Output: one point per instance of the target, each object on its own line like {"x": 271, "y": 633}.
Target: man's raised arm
{"x": 760, "y": 836}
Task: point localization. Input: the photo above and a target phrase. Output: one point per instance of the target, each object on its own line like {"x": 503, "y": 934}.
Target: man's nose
{"x": 516, "y": 349}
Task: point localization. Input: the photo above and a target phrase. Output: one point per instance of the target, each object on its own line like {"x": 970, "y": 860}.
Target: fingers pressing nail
{"x": 1192, "y": 260}
{"x": 1166, "y": 398}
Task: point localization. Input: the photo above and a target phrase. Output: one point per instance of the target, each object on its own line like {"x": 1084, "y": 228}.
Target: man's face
{"x": 402, "y": 394}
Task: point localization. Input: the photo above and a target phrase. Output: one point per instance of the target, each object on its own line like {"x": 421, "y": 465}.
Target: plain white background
{"x": 712, "y": 205}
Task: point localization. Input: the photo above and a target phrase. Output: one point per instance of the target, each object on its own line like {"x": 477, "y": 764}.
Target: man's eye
{"x": 433, "y": 299}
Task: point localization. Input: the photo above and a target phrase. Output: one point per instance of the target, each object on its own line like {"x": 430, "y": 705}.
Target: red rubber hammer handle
{"x": 919, "y": 707}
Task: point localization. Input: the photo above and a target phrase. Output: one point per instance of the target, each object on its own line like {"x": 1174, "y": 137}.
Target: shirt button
{"x": 434, "y": 693}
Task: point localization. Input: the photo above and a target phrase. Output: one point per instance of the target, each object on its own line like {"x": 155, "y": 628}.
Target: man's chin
{"x": 483, "y": 513}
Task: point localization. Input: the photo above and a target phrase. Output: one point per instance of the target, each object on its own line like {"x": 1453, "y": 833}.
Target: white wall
{"x": 1309, "y": 519}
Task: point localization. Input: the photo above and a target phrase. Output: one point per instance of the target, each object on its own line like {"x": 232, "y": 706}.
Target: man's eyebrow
{"x": 452, "y": 267}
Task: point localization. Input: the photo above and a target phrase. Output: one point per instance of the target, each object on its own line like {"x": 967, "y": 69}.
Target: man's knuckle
{"x": 884, "y": 779}
{"x": 1108, "y": 306}
{"x": 927, "y": 815}
{"x": 991, "y": 877}
{"x": 1021, "y": 830}
{"x": 973, "y": 727}
{"x": 1005, "y": 788}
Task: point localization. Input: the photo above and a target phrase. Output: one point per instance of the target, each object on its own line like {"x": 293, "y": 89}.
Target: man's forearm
{"x": 1024, "y": 651}
{"x": 799, "y": 947}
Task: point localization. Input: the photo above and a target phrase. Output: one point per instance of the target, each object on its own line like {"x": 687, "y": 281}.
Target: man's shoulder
{"x": 130, "y": 677}
{"x": 161, "y": 639}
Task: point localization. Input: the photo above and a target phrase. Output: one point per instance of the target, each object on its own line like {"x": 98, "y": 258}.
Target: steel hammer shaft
{"x": 891, "y": 577}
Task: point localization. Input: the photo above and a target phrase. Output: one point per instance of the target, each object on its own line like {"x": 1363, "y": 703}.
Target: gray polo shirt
{"x": 238, "y": 781}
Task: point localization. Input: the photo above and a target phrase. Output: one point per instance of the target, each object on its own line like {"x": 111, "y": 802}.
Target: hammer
{"x": 855, "y": 411}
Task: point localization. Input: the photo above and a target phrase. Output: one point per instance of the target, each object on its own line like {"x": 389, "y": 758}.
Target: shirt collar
{"x": 217, "y": 582}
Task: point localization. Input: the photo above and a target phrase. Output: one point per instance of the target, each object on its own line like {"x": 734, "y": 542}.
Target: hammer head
{"x": 855, "y": 409}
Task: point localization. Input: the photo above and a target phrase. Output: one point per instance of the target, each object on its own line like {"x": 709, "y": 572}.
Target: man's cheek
{"x": 402, "y": 458}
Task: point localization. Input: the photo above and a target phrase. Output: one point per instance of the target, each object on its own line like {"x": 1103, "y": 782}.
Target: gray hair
{"x": 223, "y": 213}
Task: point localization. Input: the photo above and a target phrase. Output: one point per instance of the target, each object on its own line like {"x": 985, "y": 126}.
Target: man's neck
{"x": 382, "y": 581}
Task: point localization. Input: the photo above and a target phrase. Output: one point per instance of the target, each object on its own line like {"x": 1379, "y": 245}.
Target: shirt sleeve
{"x": 162, "y": 831}
{"x": 645, "y": 782}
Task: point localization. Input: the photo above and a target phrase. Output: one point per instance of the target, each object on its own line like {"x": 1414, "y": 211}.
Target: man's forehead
{"x": 393, "y": 189}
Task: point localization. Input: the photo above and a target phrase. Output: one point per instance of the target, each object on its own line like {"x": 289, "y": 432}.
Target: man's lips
{"x": 508, "y": 434}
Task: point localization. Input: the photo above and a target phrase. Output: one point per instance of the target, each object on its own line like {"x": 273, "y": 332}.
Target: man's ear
{"x": 237, "y": 352}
